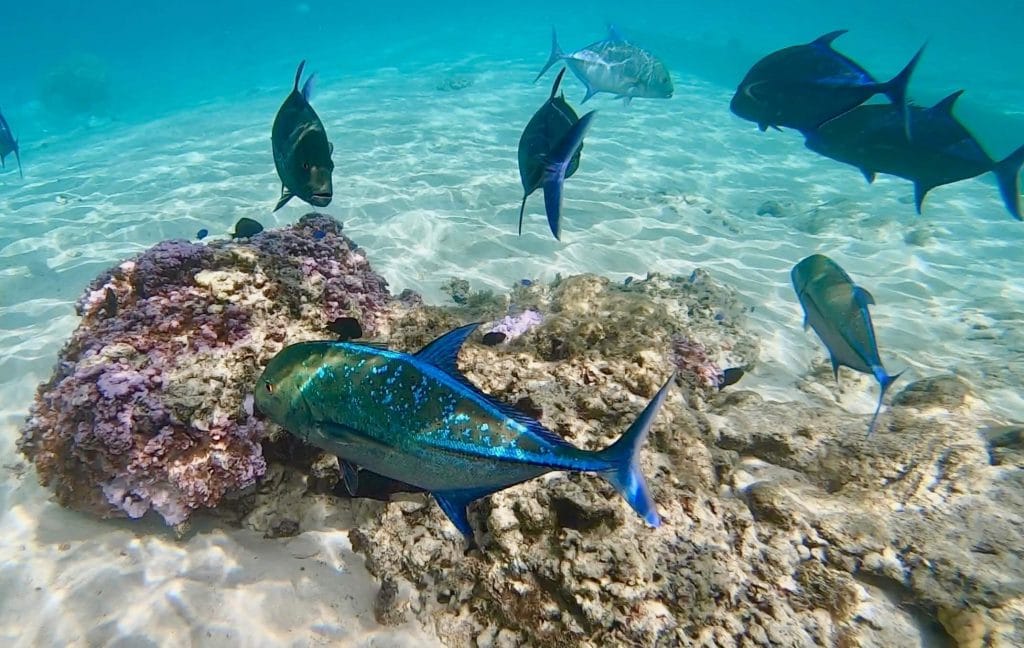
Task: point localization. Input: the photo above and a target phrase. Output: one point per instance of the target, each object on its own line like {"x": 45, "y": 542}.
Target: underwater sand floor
{"x": 426, "y": 181}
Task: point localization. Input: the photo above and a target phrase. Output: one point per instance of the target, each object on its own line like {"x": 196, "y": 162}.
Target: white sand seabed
{"x": 426, "y": 181}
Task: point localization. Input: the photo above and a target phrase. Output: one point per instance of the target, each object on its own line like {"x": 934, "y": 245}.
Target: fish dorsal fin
{"x": 554, "y": 86}
{"x": 308, "y": 87}
{"x": 443, "y": 352}
{"x": 298, "y": 74}
{"x": 614, "y": 35}
{"x": 827, "y": 39}
{"x": 863, "y": 297}
{"x": 946, "y": 105}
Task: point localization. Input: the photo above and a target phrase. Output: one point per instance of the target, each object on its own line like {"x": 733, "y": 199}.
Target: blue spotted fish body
{"x": 416, "y": 419}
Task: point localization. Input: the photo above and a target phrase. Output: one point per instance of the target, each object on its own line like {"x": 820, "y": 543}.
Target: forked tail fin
{"x": 624, "y": 455}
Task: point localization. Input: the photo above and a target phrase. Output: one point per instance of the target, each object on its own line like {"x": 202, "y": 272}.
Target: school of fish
{"x": 415, "y": 418}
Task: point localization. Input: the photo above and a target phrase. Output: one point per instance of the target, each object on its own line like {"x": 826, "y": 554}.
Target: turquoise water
{"x": 141, "y": 122}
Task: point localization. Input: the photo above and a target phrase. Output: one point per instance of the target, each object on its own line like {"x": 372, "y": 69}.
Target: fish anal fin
{"x": 454, "y": 504}
{"x": 920, "y": 191}
{"x": 835, "y": 367}
{"x": 762, "y": 127}
{"x": 863, "y": 297}
{"x": 443, "y": 352}
{"x": 308, "y": 87}
{"x": 590, "y": 93}
{"x": 868, "y": 175}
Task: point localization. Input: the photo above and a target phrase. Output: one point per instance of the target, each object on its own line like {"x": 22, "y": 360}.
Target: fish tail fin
{"x": 896, "y": 89}
{"x": 624, "y": 455}
{"x": 1008, "y": 175}
{"x": 555, "y": 56}
{"x": 885, "y": 380}
{"x": 309, "y": 87}
{"x": 554, "y": 171}
{"x": 298, "y": 74}
{"x": 522, "y": 208}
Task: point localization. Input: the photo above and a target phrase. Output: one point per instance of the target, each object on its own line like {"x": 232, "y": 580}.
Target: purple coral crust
{"x": 137, "y": 416}
{"x": 691, "y": 358}
{"x": 514, "y": 326}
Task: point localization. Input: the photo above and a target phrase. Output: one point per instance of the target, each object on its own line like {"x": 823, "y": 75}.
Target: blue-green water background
{"x": 166, "y": 56}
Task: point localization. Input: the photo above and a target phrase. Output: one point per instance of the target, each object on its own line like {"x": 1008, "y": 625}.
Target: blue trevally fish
{"x": 614, "y": 65}
{"x": 8, "y": 145}
{"x": 415, "y": 418}
{"x": 804, "y": 86}
{"x": 837, "y": 310}
{"x": 552, "y": 131}
{"x": 941, "y": 151}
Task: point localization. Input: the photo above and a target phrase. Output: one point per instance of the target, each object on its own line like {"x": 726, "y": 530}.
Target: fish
{"x": 302, "y": 153}
{"x": 493, "y": 338}
{"x": 614, "y": 65}
{"x": 201, "y": 234}
{"x": 837, "y": 310}
{"x": 539, "y": 146}
{"x": 417, "y": 419}
{"x": 731, "y": 376}
{"x": 941, "y": 151}
{"x": 246, "y": 228}
{"x": 8, "y": 145}
{"x": 804, "y": 86}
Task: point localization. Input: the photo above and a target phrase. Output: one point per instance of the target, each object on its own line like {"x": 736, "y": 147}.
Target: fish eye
{"x": 305, "y": 165}
{"x": 269, "y": 386}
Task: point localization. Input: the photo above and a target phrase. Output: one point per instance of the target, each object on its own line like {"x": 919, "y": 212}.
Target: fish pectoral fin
{"x": 285, "y": 197}
{"x": 454, "y": 504}
{"x": 863, "y": 297}
{"x": 351, "y": 476}
{"x": 835, "y": 366}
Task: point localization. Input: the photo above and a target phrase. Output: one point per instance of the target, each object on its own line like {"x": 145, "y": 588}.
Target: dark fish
{"x": 302, "y": 153}
{"x": 8, "y": 145}
{"x": 346, "y": 328}
{"x": 550, "y": 125}
{"x": 837, "y": 310}
{"x": 203, "y": 233}
{"x": 529, "y": 282}
{"x": 417, "y": 419}
{"x": 731, "y": 376}
{"x": 319, "y": 234}
{"x": 246, "y": 228}
{"x": 804, "y": 86}
{"x": 494, "y": 337}
{"x": 940, "y": 151}
{"x": 616, "y": 66}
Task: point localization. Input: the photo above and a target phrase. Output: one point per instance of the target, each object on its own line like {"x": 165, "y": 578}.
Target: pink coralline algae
{"x": 694, "y": 363}
{"x": 513, "y": 326}
{"x": 147, "y": 407}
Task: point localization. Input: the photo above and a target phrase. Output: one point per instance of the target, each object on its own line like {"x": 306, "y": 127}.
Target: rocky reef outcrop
{"x": 784, "y": 524}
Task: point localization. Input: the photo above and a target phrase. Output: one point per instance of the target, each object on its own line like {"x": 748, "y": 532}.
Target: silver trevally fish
{"x": 616, "y": 66}
{"x": 416, "y": 419}
{"x": 837, "y": 310}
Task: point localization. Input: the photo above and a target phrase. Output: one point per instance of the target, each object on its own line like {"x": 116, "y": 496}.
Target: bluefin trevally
{"x": 940, "y": 151}
{"x": 8, "y": 145}
{"x": 837, "y": 310}
{"x": 614, "y": 65}
{"x": 549, "y": 152}
{"x": 416, "y": 419}
{"x": 804, "y": 86}
{"x": 302, "y": 153}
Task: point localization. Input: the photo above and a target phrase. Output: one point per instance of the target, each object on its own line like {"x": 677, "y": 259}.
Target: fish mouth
{"x": 321, "y": 199}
